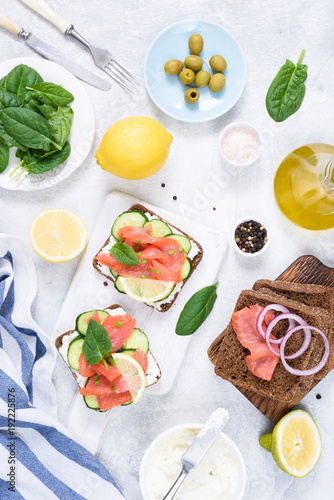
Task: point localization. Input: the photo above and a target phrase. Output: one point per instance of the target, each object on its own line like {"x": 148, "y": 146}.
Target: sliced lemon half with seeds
{"x": 133, "y": 374}
{"x": 146, "y": 290}
{"x": 58, "y": 235}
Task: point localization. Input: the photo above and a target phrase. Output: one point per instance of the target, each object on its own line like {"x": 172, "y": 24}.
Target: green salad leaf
{"x": 19, "y": 79}
{"x": 51, "y": 94}
{"x": 287, "y": 90}
{"x": 4, "y": 155}
{"x": 196, "y": 310}
{"x": 124, "y": 254}
{"x": 97, "y": 343}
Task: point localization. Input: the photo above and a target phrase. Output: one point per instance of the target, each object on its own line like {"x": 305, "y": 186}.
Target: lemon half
{"x": 146, "y": 290}
{"x": 133, "y": 374}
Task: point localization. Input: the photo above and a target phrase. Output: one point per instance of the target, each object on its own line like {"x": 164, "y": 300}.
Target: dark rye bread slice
{"x": 310, "y": 295}
{"x": 231, "y": 363}
{"x": 163, "y": 306}
{"x": 59, "y": 343}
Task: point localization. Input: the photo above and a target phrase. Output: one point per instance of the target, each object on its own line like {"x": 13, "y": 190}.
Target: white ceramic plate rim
{"x": 195, "y": 120}
{"x": 83, "y": 125}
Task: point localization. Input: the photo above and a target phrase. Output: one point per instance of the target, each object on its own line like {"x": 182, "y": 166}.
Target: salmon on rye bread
{"x": 231, "y": 361}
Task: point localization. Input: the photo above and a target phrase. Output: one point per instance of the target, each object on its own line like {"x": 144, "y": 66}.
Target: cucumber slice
{"x": 118, "y": 285}
{"x": 159, "y": 228}
{"x": 127, "y": 404}
{"x": 128, "y": 352}
{"x": 92, "y": 402}
{"x": 186, "y": 269}
{"x": 133, "y": 218}
{"x": 137, "y": 340}
{"x": 74, "y": 351}
{"x": 81, "y": 323}
{"x": 113, "y": 273}
{"x": 184, "y": 242}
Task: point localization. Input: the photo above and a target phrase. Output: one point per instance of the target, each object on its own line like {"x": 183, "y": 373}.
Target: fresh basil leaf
{"x": 4, "y": 156}
{"x": 37, "y": 165}
{"x": 196, "y": 310}
{"x": 50, "y": 93}
{"x": 124, "y": 254}
{"x": 97, "y": 343}
{"x": 10, "y": 100}
{"x": 287, "y": 90}
{"x": 18, "y": 79}
{"x": 10, "y": 139}
{"x": 28, "y": 127}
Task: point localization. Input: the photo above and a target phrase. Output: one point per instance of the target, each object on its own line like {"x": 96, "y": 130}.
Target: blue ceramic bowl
{"x": 167, "y": 92}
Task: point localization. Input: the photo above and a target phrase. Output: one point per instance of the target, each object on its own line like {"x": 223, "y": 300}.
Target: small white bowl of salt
{"x": 240, "y": 144}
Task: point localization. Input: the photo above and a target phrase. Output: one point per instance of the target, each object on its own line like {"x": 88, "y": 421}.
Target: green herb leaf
{"x": 4, "y": 156}
{"x": 50, "y": 93}
{"x": 287, "y": 90}
{"x": 97, "y": 343}
{"x": 10, "y": 139}
{"x": 18, "y": 79}
{"x": 37, "y": 165}
{"x": 10, "y": 100}
{"x": 196, "y": 310}
{"x": 124, "y": 254}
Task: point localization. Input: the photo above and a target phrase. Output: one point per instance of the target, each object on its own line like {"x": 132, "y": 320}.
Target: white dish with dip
{"x": 240, "y": 144}
{"x": 220, "y": 476}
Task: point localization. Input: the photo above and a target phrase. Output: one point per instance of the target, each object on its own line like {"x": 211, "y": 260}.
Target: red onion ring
{"x": 275, "y": 307}
{"x": 292, "y": 318}
{"x": 310, "y": 371}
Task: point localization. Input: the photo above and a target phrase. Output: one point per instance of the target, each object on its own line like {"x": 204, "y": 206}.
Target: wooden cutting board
{"x": 306, "y": 269}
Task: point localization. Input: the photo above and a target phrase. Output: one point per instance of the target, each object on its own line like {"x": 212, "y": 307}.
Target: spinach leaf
{"x": 37, "y": 165}
{"x": 46, "y": 110}
{"x": 287, "y": 90}
{"x": 124, "y": 254}
{"x": 18, "y": 79}
{"x": 61, "y": 121}
{"x": 10, "y": 100}
{"x": 28, "y": 127}
{"x": 50, "y": 93}
{"x": 4, "y": 156}
{"x": 196, "y": 310}
{"x": 97, "y": 343}
{"x": 10, "y": 139}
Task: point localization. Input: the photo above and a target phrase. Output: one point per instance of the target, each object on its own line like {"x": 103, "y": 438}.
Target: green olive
{"x": 202, "y": 78}
{"x": 187, "y": 76}
{"x": 191, "y": 96}
{"x": 217, "y": 82}
{"x": 218, "y": 63}
{"x": 173, "y": 67}
{"x": 193, "y": 62}
{"x": 196, "y": 44}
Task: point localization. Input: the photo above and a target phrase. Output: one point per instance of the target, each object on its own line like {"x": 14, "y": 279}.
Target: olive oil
{"x": 304, "y": 186}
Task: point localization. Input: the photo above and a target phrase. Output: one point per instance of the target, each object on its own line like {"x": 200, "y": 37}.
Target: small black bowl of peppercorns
{"x": 250, "y": 237}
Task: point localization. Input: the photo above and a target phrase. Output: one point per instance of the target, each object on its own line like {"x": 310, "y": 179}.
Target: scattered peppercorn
{"x": 105, "y": 283}
{"x": 174, "y": 197}
{"x": 254, "y": 239}
{"x": 318, "y": 396}
{"x": 163, "y": 185}
{"x": 214, "y": 208}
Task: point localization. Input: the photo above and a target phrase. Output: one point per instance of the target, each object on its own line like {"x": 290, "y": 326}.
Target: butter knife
{"x": 50, "y": 52}
{"x": 199, "y": 448}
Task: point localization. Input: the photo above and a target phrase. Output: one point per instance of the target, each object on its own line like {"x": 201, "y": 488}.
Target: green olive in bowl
{"x": 196, "y": 44}
{"x": 173, "y": 67}
{"x": 187, "y": 76}
{"x": 218, "y": 63}
{"x": 191, "y": 96}
{"x": 202, "y": 78}
{"x": 217, "y": 82}
{"x": 193, "y": 62}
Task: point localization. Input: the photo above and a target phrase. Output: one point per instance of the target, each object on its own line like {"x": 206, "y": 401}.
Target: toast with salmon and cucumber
{"x": 148, "y": 258}
{"x": 109, "y": 358}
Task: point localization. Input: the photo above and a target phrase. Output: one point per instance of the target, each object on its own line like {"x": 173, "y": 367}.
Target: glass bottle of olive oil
{"x": 304, "y": 186}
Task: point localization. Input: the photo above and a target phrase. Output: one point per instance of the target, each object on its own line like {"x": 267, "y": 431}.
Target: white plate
{"x": 82, "y": 131}
{"x": 87, "y": 291}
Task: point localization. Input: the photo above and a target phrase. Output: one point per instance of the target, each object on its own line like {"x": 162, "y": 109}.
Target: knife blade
{"x": 51, "y": 52}
{"x": 199, "y": 448}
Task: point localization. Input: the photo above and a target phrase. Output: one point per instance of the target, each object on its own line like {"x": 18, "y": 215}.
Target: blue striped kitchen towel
{"x": 38, "y": 458}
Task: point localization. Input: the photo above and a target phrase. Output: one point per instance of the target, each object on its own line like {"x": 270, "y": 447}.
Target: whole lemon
{"x": 134, "y": 148}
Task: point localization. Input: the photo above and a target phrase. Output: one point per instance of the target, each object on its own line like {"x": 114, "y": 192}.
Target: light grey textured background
{"x": 269, "y": 32}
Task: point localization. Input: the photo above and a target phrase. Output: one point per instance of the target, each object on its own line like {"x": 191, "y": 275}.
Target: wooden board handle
{"x": 44, "y": 10}
{"x": 9, "y": 25}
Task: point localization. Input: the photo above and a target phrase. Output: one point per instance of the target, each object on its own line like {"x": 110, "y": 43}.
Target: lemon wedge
{"x": 57, "y": 235}
{"x": 146, "y": 290}
{"x": 133, "y": 374}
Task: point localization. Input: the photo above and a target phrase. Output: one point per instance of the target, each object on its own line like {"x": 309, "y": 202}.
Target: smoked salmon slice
{"x": 111, "y": 400}
{"x": 119, "y": 329}
{"x": 261, "y": 361}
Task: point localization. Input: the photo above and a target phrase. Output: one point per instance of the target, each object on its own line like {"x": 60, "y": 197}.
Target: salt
{"x": 240, "y": 145}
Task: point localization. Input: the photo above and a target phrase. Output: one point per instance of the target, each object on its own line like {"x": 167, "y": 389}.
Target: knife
{"x": 50, "y": 52}
{"x": 198, "y": 449}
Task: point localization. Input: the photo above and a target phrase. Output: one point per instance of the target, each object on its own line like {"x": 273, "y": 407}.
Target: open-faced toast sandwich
{"x": 148, "y": 258}
{"x": 109, "y": 358}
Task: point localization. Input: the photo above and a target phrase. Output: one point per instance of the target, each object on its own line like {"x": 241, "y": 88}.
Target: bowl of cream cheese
{"x": 220, "y": 476}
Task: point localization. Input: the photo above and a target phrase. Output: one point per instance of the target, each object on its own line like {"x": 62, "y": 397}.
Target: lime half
{"x": 146, "y": 290}
{"x": 133, "y": 374}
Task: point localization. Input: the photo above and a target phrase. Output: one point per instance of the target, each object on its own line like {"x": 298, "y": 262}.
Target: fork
{"x": 102, "y": 58}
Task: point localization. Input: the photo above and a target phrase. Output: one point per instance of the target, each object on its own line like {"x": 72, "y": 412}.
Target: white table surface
{"x": 269, "y": 32}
